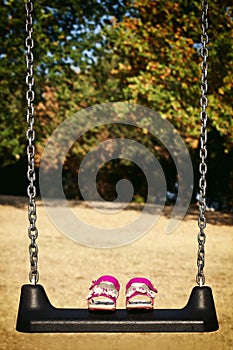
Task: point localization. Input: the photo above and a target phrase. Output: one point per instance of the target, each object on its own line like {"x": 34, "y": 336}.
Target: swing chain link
{"x": 30, "y": 134}
{"x": 200, "y": 277}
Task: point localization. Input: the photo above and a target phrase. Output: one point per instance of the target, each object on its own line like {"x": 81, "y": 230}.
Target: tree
{"x": 157, "y": 50}
{"x": 146, "y": 52}
{"x": 157, "y": 64}
{"x": 63, "y": 32}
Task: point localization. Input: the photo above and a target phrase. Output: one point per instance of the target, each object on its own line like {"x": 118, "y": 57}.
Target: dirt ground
{"x": 66, "y": 270}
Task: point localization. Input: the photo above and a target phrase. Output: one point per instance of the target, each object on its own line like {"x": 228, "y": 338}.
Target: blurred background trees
{"x": 90, "y": 52}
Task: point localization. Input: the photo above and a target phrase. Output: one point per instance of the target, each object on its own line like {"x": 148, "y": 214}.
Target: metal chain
{"x": 31, "y": 189}
{"x": 200, "y": 277}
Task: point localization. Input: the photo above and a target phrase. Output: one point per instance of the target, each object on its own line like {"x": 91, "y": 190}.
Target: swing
{"x": 37, "y": 314}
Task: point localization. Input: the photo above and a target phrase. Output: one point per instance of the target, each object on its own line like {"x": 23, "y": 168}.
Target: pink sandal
{"x": 140, "y": 294}
{"x": 103, "y": 293}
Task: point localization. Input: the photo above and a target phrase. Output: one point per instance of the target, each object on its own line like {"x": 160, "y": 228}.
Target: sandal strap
{"x": 102, "y": 292}
{"x": 108, "y": 279}
{"x": 139, "y": 291}
{"x": 141, "y": 280}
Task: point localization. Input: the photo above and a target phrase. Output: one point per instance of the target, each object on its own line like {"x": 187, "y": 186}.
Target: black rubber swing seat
{"x": 37, "y": 315}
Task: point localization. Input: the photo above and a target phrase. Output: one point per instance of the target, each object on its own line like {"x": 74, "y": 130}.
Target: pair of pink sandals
{"x": 105, "y": 291}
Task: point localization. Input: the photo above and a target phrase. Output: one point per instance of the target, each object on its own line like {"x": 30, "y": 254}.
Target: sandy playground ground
{"x": 66, "y": 270}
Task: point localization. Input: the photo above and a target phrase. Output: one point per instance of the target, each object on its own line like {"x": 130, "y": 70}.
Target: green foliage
{"x": 63, "y": 32}
{"x": 159, "y": 63}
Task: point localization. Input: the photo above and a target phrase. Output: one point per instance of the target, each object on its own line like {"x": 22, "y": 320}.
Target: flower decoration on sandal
{"x": 103, "y": 293}
{"x": 140, "y": 294}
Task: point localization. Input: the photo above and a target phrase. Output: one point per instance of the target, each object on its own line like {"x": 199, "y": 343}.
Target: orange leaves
{"x": 49, "y": 106}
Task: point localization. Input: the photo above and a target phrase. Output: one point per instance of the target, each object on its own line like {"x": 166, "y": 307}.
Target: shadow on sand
{"x": 213, "y": 217}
